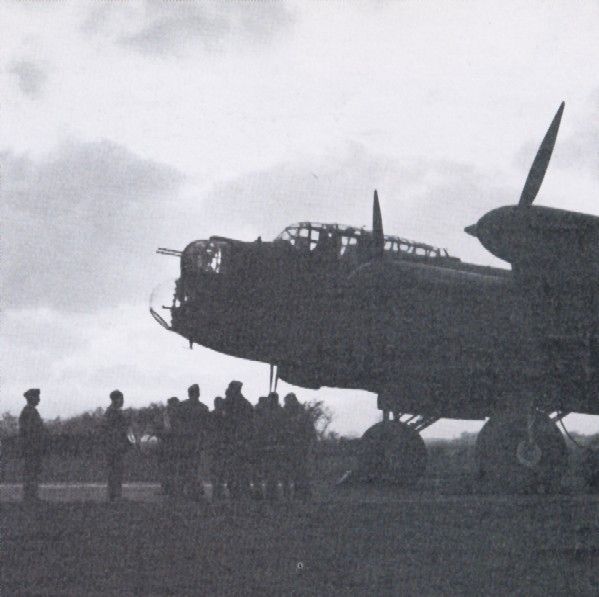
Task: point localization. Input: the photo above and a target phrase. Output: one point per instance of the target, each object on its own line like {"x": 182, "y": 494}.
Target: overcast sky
{"x": 129, "y": 126}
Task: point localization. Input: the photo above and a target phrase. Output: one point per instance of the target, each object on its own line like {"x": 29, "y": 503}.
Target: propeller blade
{"x": 378, "y": 238}
{"x": 541, "y": 161}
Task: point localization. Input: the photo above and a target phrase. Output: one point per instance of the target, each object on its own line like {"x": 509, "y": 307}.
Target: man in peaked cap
{"x": 116, "y": 444}
{"x": 299, "y": 436}
{"x": 238, "y": 437}
{"x": 234, "y": 386}
{"x": 33, "y": 436}
{"x": 171, "y": 423}
{"x": 217, "y": 449}
{"x": 270, "y": 428}
{"x": 194, "y": 428}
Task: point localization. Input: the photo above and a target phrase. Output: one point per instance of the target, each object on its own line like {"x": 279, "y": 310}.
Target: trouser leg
{"x": 166, "y": 467}
{"x": 218, "y": 486}
{"x": 184, "y": 475}
{"x": 233, "y": 483}
{"x": 239, "y": 479}
{"x": 192, "y": 486}
{"x": 169, "y": 472}
{"x": 301, "y": 480}
{"x": 31, "y": 472}
{"x": 258, "y": 477}
{"x": 272, "y": 479}
{"x": 286, "y": 475}
{"x": 234, "y": 479}
{"x": 217, "y": 477}
{"x": 179, "y": 473}
{"x": 246, "y": 477}
{"x": 115, "y": 477}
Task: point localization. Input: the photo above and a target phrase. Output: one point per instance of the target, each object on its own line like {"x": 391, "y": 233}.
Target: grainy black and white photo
{"x": 299, "y": 298}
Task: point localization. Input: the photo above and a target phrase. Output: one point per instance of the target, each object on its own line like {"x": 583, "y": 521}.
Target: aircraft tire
{"x": 392, "y": 453}
{"x": 501, "y": 471}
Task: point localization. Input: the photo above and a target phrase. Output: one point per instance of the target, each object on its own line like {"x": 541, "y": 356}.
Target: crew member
{"x": 258, "y": 451}
{"x": 272, "y": 430}
{"x": 299, "y": 438}
{"x": 33, "y": 438}
{"x": 116, "y": 444}
{"x": 217, "y": 449}
{"x": 167, "y": 437}
{"x": 194, "y": 422}
{"x": 238, "y": 437}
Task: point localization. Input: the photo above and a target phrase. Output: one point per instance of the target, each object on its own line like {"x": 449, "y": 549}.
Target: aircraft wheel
{"x": 507, "y": 463}
{"x": 391, "y": 452}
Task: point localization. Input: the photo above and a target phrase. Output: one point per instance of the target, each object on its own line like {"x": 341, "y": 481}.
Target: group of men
{"x": 249, "y": 451}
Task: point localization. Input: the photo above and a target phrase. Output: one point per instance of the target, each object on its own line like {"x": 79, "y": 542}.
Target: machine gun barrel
{"x": 173, "y": 252}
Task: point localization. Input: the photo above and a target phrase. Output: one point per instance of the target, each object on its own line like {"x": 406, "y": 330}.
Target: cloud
{"x": 30, "y": 76}
{"x": 79, "y": 226}
{"x": 168, "y": 28}
{"x": 98, "y": 17}
{"x": 581, "y": 148}
{"x": 426, "y": 200}
{"x": 166, "y": 34}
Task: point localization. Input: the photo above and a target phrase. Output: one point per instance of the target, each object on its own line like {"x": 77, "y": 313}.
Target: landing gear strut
{"x": 520, "y": 454}
{"x": 392, "y": 452}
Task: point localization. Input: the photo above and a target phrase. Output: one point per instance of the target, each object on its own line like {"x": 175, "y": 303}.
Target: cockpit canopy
{"x": 306, "y": 237}
{"x": 349, "y": 245}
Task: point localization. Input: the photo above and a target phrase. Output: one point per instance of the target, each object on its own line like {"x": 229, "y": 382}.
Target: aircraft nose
{"x": 471, "y": 230}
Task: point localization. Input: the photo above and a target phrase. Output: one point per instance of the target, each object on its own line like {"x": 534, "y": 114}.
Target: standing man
{"x": 167, "y": 454}
{"x": 116, "y": 444}
{"x": 300, "y": 436}
{"x": 272, "y": 437}
{"x": 238, "y": 437}
{"x": 217, "y": 456}
{"x": 33, "y": 438}
{"x": 194, "y": 417}
{"x": 258, "y": 451}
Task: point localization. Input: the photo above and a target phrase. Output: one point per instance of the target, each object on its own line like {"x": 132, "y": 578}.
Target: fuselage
{"x": 435, "y": 335}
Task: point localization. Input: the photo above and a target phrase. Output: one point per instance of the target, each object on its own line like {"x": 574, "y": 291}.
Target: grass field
{"x": 440, "y": 539}
{"x": 344, "y": 543}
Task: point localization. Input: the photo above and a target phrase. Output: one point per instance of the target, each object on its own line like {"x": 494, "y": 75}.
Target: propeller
{"x": 541, "y": 161}
{"x": 505, "y": 231}
{"x": 378, "y": 237}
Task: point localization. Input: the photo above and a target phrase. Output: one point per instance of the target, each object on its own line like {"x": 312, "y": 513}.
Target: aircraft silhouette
{"x": 432, "y": 336}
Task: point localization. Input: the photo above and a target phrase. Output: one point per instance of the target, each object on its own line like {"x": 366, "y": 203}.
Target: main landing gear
{"x": 520, "y": 453}
{"x": 392, "y": 451}
{"x": 516, "y": 452}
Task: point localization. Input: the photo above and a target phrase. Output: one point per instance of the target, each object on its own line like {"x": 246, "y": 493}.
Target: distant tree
{"x": 87, "y": 423}
{"x": 321, "y": 416}
{"x": 9, "y": 425}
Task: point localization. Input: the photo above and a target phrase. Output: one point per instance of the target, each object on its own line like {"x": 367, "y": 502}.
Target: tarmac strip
{"x": 151, "y": 492}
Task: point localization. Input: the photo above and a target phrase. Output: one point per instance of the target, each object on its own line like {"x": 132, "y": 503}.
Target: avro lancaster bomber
{"x": 433, "y": 337}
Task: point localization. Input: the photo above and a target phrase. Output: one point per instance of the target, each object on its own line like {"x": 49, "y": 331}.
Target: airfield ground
{"x": 347, "y": 541}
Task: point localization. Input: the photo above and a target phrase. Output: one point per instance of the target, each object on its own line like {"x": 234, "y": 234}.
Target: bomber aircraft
{"x": 433, "y": 337}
